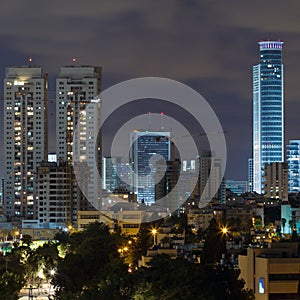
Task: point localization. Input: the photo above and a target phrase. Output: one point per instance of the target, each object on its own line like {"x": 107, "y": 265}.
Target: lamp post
{"x": 154, "y": 232}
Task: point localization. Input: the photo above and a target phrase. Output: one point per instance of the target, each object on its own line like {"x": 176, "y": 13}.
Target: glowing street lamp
{"x": 224, "y": 230}
{"x": 154, "y": 232}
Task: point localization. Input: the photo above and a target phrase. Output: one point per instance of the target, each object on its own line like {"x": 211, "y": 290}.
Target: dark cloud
{"x": 210, "y": 45}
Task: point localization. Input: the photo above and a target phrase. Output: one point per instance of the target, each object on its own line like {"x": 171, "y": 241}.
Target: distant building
{"x": 290, "y": 219}
{"x": 268, "y": 110}
{"x": 250, "y": 175}
{"x": 272, "y": 273}
{"x": 276, "y": 181}
{"x": 110, "y": 177}
{"x": 200, "y": 218}
{"x": 237, "y": 186}
{"x": 211, "y": 184}
{"x": 293, "y": 160}
{"x": 25, "y": 138}
{"x": 166, "y": 184}
{"x": 146, "y": 149}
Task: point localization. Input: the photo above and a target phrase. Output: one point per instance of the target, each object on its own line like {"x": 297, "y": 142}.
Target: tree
{"x": 10, "y": 285}
{"x": 215, "y": 244}
{"x": 142, "y": 243}
{"x": 184, "y": 280}
{"x": 92, "y": 266}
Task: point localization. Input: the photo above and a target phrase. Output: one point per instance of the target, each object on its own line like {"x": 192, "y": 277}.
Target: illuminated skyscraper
{"x": 268, "y": 110}
{"x": 25, "y": 138}
{"x": 77, "y": 117}
{"x": 147, "y": 148}
{"x": 293, "y": 160}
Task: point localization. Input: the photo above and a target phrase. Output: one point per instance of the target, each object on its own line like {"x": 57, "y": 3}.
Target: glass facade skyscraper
{"x": 268, "y": 110}
{"x": 293, "y": 160}
{"x": 147, "y": 148}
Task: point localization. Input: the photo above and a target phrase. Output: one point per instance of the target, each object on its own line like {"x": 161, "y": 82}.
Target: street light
{"x": 154, "y": 232}
{"x": 224, "y": 230}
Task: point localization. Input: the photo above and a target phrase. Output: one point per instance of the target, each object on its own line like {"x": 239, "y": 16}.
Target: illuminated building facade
{"x": 56, "y": 189}
{"x": 77, "y": 117}
{"x": 293, "y": 160}
{"x": 268, "y": 110}
{"x": 147, "y": 148}
{"x": 25, "y": 138}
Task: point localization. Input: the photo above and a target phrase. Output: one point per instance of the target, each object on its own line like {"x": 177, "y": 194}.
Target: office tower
{"x": 250, "y": 175}
{"x": 276, "y": 181}
{"x": 147, "y": 148}
{"x": 268, "y": 111}
{"x": 25, "y": 137}
{"x": 293, "y": 160}
{"x": 77, "y": 118}
{"x": 110, "y": 178}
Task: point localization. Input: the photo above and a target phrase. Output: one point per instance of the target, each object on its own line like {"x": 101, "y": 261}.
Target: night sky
{"x": 209, "y": 45}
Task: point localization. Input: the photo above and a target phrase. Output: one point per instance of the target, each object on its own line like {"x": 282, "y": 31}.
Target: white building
{"x": 25, "y": 137}
{"x": 77, "y": 117}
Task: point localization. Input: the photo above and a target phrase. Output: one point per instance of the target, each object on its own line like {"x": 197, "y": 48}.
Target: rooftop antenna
{"x": 162, "y": 121}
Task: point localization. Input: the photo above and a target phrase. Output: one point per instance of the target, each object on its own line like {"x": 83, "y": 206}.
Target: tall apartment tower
{"x": 276, "y": 181}
{"x": 144, "y": 146}
{"x": 210, "y": 176}
{"x": 25, "y": 138}
{"x": 77, "y": 108}
{"x": 268, "y": 110}
{"x": 293, "y": 160}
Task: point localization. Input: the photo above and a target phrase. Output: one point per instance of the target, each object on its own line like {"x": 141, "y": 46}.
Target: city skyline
{"x": 179, "y": 41}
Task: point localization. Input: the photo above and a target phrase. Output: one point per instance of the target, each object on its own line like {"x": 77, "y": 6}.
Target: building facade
{"x": 25, "y": 138}
{"x": 276, "y": 181}
{"x": 57, "y": 191}
{"x": 147, "y": 148}
{"x": 268, "y": 110}
{"x": 110, "y": 178}
{"x": 211, "y": 185}
{"x": 77, "y": 118}
{"x": 250, "y": 175}
{"x": 293, "y": 160}
{"x": 272, "y": 273}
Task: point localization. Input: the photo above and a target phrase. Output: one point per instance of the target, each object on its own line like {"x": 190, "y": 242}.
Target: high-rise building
{"x": 25, "y": 137}
{"x": 167, "y": 182}
{"x": 250, "y": 175}
{"x": 56, "y": 187}
{"x": 276, "y": 181}
{"x": 147, "y": 148}
{"x": 293, "y": 160}
{"x": 211, "y": 184}
{"x": 110, "y": 178}
{"x": 77, "y": 118}
{"x": 268, "y": 110}
{"x": 75, "y": 88}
